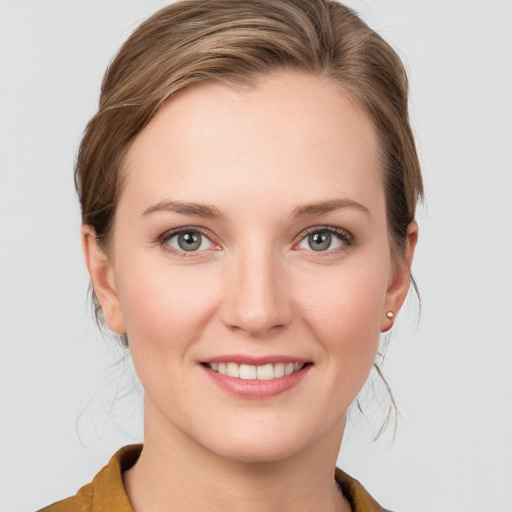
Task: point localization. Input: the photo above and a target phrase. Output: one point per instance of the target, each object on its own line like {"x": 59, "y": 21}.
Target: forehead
{"x": 293, "y": 135}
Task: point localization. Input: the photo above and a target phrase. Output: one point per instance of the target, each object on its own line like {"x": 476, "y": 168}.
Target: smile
{"x": 252, "y": 372}
{"x": 256, "y": 378}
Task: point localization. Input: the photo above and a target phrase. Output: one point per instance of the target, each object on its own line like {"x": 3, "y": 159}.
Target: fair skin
{"x": 284, "y": 257}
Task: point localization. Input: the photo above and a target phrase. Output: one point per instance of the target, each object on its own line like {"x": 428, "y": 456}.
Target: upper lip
{"x": 255, "y": 360}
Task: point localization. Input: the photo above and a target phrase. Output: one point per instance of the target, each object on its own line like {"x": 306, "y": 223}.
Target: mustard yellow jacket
{"x": 106, "y": 492}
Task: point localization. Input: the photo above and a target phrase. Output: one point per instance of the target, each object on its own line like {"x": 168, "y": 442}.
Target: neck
{"x": 174, "y": 472}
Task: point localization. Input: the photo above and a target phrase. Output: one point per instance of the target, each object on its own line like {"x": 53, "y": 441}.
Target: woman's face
{"x": 250, "y": 236}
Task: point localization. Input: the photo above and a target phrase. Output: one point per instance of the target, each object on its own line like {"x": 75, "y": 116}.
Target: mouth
{"x": 256, "y": 377}
{"x": 262, "y": 372}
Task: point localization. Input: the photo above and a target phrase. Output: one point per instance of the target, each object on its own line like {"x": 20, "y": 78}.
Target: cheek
{"x": 351, "y": 296}
{"x": 165, "y": 305}
{"x": 344, "y": 311}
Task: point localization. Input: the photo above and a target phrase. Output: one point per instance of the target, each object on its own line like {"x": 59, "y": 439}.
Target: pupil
{"x": 189, "y": 241}
{"x": 320, "y": 241}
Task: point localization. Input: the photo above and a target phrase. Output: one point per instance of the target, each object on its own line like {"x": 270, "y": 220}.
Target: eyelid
{"x": 342, "y": 234}
{"x": 164, "y": 238}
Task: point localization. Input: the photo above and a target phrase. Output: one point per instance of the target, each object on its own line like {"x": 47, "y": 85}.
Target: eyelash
{"x": 342, "y": 235}
{"x": 346, "y": 238}
{"x": 163, "y": 240}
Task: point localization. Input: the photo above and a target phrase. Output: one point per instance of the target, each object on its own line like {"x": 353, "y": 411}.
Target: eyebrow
{"x": 186, "y": 208}
{"x": 310, "y": 209}
{"x": 211, "y": 212}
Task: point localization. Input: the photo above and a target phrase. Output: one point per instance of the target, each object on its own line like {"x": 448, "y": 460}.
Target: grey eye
{"x": 189, "y": 241}
{"x": 320, "y": 241}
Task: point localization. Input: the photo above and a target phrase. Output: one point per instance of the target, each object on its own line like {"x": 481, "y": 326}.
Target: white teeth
{"x": 265, "y": 372}
{"x": 279, "y": 370}
{"x": 233, "y": 370}
{"x": 249, "y": 371}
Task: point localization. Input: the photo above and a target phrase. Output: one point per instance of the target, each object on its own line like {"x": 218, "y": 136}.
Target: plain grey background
{"x": 64, "y": 409}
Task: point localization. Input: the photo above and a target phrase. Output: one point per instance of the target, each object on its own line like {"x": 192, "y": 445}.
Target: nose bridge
{"x": 256, "y": 299}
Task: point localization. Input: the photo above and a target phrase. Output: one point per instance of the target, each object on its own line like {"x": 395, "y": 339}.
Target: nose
{"x": 257, "y": 299}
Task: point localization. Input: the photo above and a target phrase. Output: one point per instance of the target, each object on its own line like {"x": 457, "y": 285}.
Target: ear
{"x": 400, "y": 279}
{"x": 103, "y": 280}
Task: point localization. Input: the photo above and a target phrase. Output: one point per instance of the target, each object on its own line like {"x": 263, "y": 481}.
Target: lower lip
{"x": 253, "y": 388}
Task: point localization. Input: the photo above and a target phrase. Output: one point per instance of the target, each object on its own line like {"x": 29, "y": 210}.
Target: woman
{"x": 248, "y": 191}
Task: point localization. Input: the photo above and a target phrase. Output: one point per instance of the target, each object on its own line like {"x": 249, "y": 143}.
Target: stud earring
{"x": 390, "y": 314}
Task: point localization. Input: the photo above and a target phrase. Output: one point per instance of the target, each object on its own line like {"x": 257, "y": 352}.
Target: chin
{"x": 258, "y": 452}
{"x": 268, "y": 443}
